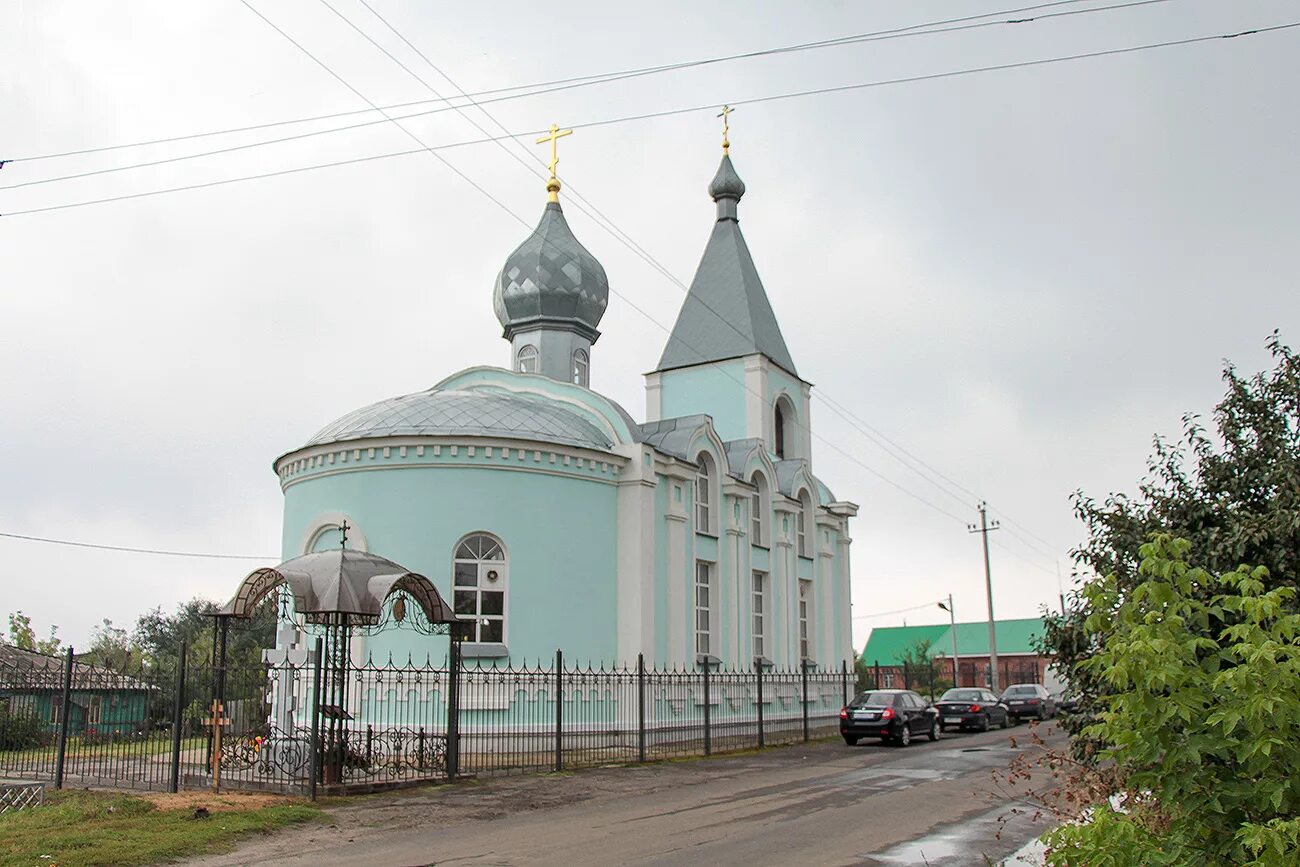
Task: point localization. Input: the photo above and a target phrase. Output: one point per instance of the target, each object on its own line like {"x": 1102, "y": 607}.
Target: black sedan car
{"x": 1029, "y": 700}
{"x": 895, "y": 715}
{"x": 974, "y": 708}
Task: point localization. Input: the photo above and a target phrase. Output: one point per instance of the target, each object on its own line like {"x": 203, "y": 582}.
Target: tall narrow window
{"x": 526, "y": 360}
{"x": 778, "y": 424}
{"x": 760, "y": 614}
{"x": 801, "y": 527}
{"x": 805, "y": 602}
{"x": 758, "y": 510}
{"x": 479, "y": 575}
{"x": 702, "y": 497}
{"x": 580, "y": 366}
{"x": 703, "y": 607}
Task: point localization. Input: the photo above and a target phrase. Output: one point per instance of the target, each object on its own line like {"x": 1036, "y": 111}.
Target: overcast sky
{"x": 1019, "y": 276}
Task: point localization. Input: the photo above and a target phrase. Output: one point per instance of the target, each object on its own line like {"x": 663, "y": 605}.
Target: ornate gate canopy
{"x": 341, "y": 585}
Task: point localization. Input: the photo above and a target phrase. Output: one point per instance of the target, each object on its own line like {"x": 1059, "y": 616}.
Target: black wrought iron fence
{"x": 186, "y": 723}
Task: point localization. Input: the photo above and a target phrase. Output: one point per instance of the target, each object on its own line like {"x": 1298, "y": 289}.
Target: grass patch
{"x": 99, "y": 828}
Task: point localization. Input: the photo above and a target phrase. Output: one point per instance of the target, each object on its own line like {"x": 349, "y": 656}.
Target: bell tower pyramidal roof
{"x": 726, "y": 313}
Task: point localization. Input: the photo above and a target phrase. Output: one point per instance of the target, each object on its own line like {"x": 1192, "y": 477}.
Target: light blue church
{"x": 550, "y": 516}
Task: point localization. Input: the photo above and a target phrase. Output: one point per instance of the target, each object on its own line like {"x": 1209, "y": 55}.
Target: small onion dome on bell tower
{"x": 550, "y": 296}
{"x": 726, "y": 184}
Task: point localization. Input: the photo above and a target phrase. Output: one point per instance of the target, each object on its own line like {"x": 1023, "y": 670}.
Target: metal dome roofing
{"x": 463, "y": 412}
{"x": 551, "y": 277}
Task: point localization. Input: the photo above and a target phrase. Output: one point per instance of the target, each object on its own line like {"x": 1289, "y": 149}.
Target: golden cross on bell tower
{"x": 553, "y": 184}
{"x": 726, "y": 127}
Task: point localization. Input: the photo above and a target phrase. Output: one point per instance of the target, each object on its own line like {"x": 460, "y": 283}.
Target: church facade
{"x": 553, "y": 519}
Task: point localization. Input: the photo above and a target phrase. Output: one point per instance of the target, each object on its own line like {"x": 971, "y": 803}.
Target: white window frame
{"x": 474, "y": 554}
{"x": 703, "y": 607}
{"x": 703, "y": 483}
{"x": 806, "y": 624}
{"x": 527, "y": 359}
{"x": 758, "y": 612}
{"x": 581, "y": 367}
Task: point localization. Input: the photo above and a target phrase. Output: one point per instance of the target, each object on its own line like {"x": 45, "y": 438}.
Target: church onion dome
{"x": 467, "y": 412}
{"x": 726, "y": 184}
{"x": 551, "y": 279}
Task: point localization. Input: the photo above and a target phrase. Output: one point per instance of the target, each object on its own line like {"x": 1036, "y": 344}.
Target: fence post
{"x": 315, "y": 718}
{"x": 708, "y": 745}
{"x": 803, "y": 673}
{"x": 877, "y": 675}
{"x": 844, "y": 681}
{"x": 907, "y": 675}
{"x": 758, "y": 667}
{"x": 640, "y": 707}
{"x": 455, "y": 635}
{"x": 559, "y": 709}
{"x": 64, "y": 715}
{"x": 178, "y": 708}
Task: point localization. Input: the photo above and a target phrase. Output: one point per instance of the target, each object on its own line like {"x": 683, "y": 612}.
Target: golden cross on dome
{"x": 553, "y": 185}
{"x": 726, "y": 127}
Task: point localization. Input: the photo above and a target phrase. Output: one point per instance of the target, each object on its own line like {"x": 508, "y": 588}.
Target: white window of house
{"x": 805, "y": 634}
{"x": 702, "y": 497}
{"x": 56, "y": 706}
{"x": 887, "y": 680}
{"x": 94, "y": 713}
{"x": 526, "y": 360}
{"x": 479, "y": 575}
{"x": 760, "y": 614}
{"x": 703, "y": 607}
{"x": 580, "y": 366}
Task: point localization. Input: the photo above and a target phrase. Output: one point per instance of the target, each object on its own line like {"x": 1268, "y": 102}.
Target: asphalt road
{"x": 821, "y": 803}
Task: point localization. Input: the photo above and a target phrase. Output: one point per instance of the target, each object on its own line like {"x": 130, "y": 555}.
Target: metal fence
{"x": 152, "y": 727}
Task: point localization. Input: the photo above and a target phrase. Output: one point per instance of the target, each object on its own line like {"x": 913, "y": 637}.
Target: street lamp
{"x": 952, "y": 616}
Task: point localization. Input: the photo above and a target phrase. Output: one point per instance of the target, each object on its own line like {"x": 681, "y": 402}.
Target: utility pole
{"x": 952, "y": 617}
{"x": 984, "y": 529}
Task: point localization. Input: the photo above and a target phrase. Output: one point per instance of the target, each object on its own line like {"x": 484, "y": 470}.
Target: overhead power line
{"x": 897, "y": 610}
{"x": 555, "y": 85}
{"x": 73, "y": 544}
{"x": 680, "y": 111}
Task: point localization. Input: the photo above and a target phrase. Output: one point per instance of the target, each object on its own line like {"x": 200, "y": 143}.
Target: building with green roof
{"x": 1019, "y": 661}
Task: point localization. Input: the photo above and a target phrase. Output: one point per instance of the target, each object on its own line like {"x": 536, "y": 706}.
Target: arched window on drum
{"x": 479, "y": 578}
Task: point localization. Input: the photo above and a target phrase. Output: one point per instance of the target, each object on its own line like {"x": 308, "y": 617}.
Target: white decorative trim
{"x": 333, "y": 521}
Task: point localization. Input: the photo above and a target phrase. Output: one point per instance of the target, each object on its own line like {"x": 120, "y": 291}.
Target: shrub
{"x": 22, "y": 730}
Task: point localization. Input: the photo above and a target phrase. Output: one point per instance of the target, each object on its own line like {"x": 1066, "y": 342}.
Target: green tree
{"x": 1234, "y": 494}
{"x": 22, "y": 635}
{"x": 158, "y": 634}
{"x": 110, "y": 647}
{"x": 1200, "y": 720}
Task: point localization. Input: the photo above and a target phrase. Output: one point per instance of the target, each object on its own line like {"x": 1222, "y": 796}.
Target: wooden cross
{"x": 553, "y": 185}
{"x": 217, "y": 721}
{"x": 726, "y": 127}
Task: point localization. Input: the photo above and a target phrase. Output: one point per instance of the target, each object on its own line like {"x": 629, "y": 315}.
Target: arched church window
{"x": 702, "y": 484}
{"x": 580, "y": 365}
{"x": 801, "y": 524}
{"x": 526, "y": 360}
{"x": 479, "y": 576}
{"x": 758, "y": 510}
{"x": 778, "y": 433}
